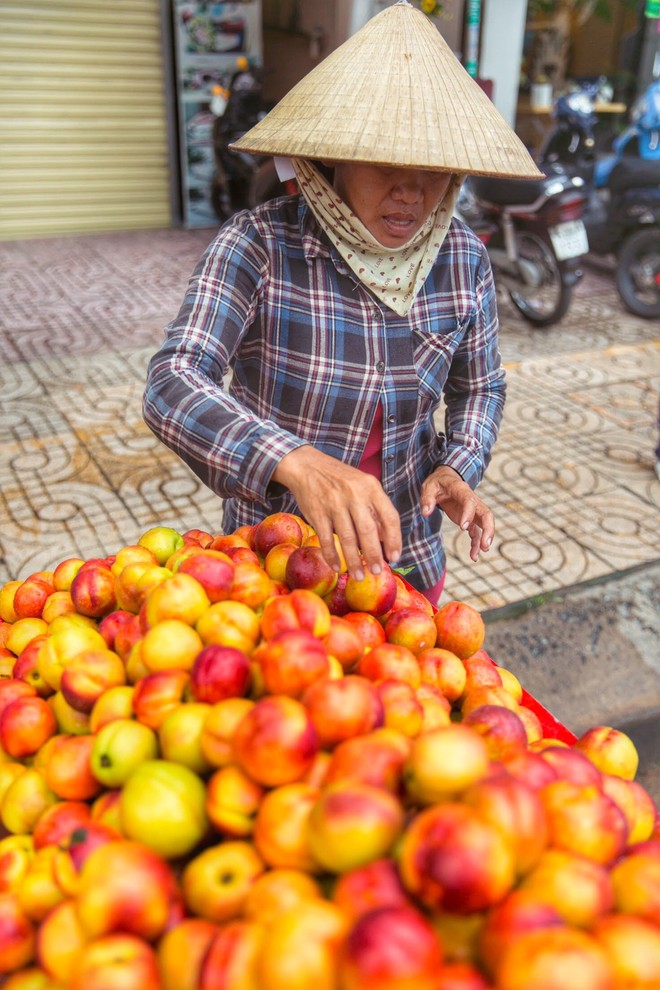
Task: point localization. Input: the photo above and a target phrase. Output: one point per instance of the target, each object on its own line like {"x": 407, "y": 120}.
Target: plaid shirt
{"x": 312, "y": 353}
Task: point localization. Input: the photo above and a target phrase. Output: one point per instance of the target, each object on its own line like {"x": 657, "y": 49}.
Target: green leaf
{"x": 402, "y": 571}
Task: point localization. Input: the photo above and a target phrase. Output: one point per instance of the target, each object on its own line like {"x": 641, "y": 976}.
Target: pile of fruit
{"x": 224, "y": 766}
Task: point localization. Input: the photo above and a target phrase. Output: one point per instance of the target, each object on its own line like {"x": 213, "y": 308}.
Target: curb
{"x": 514, "y": 610}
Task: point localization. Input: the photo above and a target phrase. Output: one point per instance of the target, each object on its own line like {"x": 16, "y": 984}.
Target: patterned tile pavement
{"x": 571, "y": 481}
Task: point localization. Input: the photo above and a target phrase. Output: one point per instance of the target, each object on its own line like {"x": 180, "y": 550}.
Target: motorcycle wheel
{"x": 638, "y": 273}
{"x": 546, "y": 303}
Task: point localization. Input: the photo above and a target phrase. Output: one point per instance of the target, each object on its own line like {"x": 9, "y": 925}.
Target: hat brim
{"x": 393, "y": 94}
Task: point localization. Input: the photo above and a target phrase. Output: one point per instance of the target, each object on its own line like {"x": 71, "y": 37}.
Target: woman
{"x": 347, "y": 313}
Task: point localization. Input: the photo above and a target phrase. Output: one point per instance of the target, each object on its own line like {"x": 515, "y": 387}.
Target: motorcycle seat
{"x": 634, "y": 173}
{"x": 507, "y": 192}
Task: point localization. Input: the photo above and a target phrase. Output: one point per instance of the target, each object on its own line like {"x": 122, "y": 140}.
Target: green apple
{"x": 120, "y": 747}
{"x": 162, "y": 541}
{"x": 181, "y": 733}
{"x": 163, "y": 805}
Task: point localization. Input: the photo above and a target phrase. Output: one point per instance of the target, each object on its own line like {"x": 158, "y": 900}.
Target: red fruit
{"x": 219, "y": 672}
{"x": 391, "y": 948}
{"x": 460, "y": 629}
{"x": 58, "y": 821}
{"x": 110, "y": 625}
{"x": 279, "y": 527}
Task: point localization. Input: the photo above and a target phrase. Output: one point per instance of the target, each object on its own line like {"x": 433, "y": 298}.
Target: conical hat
{"x": 394, "y": 93}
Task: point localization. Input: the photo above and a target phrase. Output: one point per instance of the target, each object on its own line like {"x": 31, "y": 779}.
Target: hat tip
{"x": 356, "y": 106}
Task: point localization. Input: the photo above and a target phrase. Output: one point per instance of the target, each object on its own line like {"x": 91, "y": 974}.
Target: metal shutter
{"x": 83, "y": 135}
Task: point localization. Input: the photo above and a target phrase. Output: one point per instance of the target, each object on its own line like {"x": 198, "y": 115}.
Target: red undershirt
{"x": 371, "y": 459}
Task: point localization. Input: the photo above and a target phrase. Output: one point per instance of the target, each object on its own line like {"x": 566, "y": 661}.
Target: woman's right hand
{"x": 335, "y": 498}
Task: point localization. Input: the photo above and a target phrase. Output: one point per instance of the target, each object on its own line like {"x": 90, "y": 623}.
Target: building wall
{"x": 502, "y": 34}
{"x": 297, "y": 36}
{"x": 299, "y": 33}
{"x": 596, "y": 46}
{"x": 449, "y": 23}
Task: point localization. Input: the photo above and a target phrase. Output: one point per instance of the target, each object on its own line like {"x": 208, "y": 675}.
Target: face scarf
{"x": 394, "y": 275}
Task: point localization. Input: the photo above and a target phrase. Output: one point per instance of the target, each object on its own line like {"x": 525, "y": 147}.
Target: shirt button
{"x": 390, "y": 494}
{"x": 391, "y": 418}
{"x": 380, "y": 366}
{"x": 389, "y": 458}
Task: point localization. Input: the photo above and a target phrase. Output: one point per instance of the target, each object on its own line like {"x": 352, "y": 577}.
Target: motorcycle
{"x": 640, "y": 139}
{"x": 622, "y": 217}
{"x": 534, "y": 236}
{"x": 572, "y": 140}
{"x": 240, "y": 180}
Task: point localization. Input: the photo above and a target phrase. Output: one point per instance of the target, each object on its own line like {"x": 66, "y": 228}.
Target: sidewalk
{"x": 571, "y": 482}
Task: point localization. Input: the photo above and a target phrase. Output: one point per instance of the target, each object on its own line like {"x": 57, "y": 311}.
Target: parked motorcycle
{"x": 640, "y": 139}
{"x": 534, "y": 235}
{"x": 572, "y": 140}
{"x": 240, "y": 180}
{"x": 622, "y": 217}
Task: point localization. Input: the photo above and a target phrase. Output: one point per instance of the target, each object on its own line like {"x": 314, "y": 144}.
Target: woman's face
{"x": 391, "y": 202}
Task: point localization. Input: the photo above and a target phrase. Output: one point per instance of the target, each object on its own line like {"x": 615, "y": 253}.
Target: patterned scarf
{"x": 394, "y": 275}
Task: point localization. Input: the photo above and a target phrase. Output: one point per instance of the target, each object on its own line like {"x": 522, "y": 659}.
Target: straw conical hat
{"x": 394, "y": 93}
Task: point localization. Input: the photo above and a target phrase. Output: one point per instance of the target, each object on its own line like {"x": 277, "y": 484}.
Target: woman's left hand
{"x": 445, "y": 488}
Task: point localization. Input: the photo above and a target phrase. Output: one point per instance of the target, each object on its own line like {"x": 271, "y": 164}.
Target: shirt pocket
{"x": 433, "y": 351}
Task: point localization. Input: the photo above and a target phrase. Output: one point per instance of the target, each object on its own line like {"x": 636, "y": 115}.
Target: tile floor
{"x": 571, "y": 482}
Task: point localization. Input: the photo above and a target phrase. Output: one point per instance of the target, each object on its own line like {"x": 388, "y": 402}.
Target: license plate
{"x": 569, "y": 239}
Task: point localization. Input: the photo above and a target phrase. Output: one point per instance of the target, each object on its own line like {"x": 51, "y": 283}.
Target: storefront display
{"x": 210, "y": 39}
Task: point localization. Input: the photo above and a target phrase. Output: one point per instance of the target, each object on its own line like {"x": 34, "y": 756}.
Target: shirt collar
{"x": 315, "y": 242}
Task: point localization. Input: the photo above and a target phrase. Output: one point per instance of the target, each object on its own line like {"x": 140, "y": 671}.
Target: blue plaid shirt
{"x": 311, "y": 354}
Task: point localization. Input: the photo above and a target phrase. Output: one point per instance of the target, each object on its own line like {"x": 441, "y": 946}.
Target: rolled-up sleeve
{"x": 231, "y": 449}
